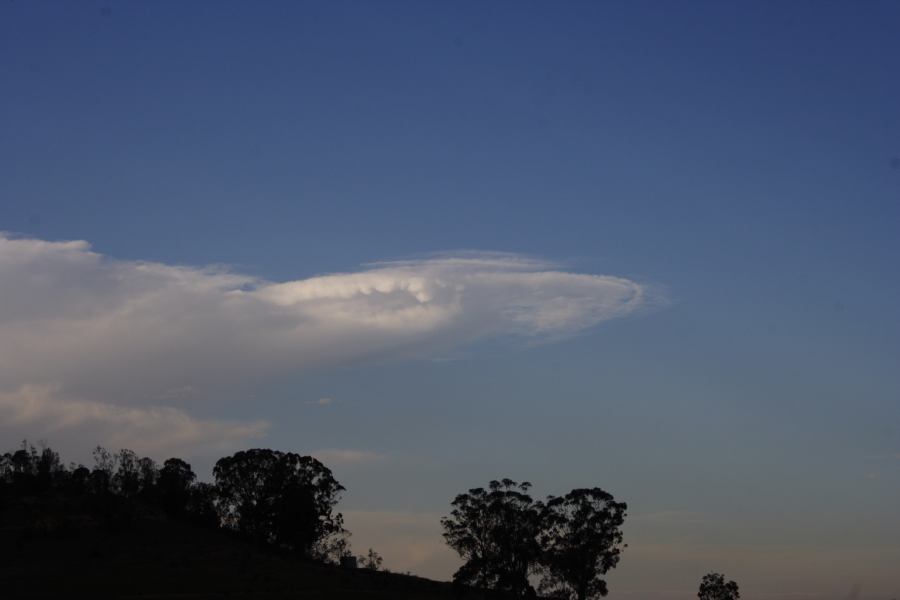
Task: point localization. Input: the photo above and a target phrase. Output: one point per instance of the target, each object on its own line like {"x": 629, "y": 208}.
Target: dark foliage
{"x": 580, "y": 539}
{"x": 174, "y": 486}
{"x": 495, "y": 532}
{"x": 120, "y": 487}
{"x": 29, "y": 471}
{"x": 278, "y": 498}
{"x": 285, "y": 503}
{"x": 504, "y": 536}
{"x": 714, "y": 587}
{"x": 372, "y": 560}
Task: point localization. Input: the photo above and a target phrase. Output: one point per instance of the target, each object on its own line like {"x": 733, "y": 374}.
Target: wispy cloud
{"x": 115, "y": 333}
{"x": 44, "y": 411}
{"x": 321, "y": 402}
{"x": 333, "y": 456}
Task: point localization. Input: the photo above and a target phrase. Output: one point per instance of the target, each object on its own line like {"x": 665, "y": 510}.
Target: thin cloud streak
{"x": 321, "y": 402}
{"x": 41, "y": 408}
{"x": 335, "y": 456}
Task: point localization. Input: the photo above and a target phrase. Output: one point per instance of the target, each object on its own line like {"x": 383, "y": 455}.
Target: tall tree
{"x": 127, "y": 477}
{"x": 104, "y": 467}
{"x": 495, "y": 531}
{"x": 278, "y": 498}
{"x": 714, "y": 587}
{"x": 174, "y": 486}
{"x": 581, "y": 539}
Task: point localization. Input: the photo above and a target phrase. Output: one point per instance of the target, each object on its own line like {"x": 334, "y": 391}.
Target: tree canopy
{"x": 267, "y": 496}
{"x": 581, "y": 539}
{"x": 714, "y": 587}
{"x": 495, "y": 531}
{"x": 277, "y": 497}
{"x": 504, "y": 536}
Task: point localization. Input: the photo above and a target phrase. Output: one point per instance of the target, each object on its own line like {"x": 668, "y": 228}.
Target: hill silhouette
{"x": 269, "y": 528}
{"x": 51, "y": 549}
{"x": 101, "y": 533}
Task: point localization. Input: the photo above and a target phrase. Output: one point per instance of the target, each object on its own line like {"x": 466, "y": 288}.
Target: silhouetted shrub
{"x": 372, "y": 561}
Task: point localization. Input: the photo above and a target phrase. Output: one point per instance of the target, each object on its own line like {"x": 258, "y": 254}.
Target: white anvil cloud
{"x": 101, "y": 331}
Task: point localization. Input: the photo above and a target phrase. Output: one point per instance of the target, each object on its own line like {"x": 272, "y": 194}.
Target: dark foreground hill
{"x": 46, "y": 552}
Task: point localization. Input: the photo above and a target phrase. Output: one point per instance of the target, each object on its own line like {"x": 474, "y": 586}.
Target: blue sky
{"x": 739, "y": 162}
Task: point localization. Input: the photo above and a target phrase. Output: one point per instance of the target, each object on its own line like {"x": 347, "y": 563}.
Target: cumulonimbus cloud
{"x": 121, "y": 332}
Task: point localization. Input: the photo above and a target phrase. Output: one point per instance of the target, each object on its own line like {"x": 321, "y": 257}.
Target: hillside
{"x": 53, "y": 549}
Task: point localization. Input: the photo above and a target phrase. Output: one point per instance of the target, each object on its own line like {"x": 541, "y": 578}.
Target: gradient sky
{"x": 736, "y": 164}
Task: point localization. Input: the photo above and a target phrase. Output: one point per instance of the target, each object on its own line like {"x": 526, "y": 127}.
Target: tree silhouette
{"x": 148, "y": 474}
{"x": 332, "y": 548}
{"x": 495, "y": 531}
{"x": 127, "y": 478}
{"x": 580, "y": 541}
{"x": 79, "y": 481}
{"x": 278, "y": 498}
{"x": 268, "y": 496}
{"x": 174, "y": 486}
{"x": 104, "y": 467}
{"x": 30, "y": 470}
{"x": 47, "y": 467}
{"x": 714, "y": 587}
{"x": 372, "y": 560}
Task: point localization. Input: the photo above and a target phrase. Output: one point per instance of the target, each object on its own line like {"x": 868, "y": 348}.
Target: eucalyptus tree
{"x": 581, "y": 540}
{"x": 714, "y": 587}
{"x": 279, "y": 498}
{"x": 495, "y": 531}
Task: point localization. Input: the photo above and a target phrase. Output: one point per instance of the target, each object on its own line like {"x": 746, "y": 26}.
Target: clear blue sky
{"x": 742, "y": 160}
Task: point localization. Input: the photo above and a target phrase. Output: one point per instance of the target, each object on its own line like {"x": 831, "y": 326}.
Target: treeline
{"x": 269, "y": 497}
{"x": 282, "y": 499}
{"x": 508, "y": 541}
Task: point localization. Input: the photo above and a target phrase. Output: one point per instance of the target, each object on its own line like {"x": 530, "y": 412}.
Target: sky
{"x": 645, "y": 246}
